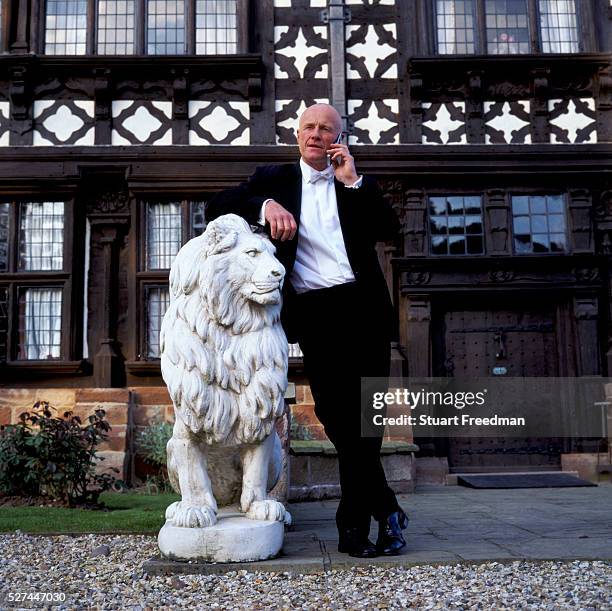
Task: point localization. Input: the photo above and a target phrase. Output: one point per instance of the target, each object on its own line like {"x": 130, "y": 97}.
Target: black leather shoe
{"x": 353, "y": 542}
{"x": 390, "y": 539}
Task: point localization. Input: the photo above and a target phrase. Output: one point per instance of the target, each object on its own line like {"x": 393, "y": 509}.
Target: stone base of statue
{"x": 233, "y": 538}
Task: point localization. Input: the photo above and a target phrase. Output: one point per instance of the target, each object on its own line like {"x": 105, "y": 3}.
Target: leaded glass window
{"x": 41, "y": 239}
{"x": 539, "y": 223}
{"x": 158, "y": 299}
{"x": 215, "y": 27}
{"x": 455, "y": 26}
{"x": 35, "y": 297}
{"x": 455, "y": 224}
{"x": 116, "y": 27}
{"x": 4, "y": 236}
{"x": 558, "y": 26}
{"x": 507, "y": 27}
{"x": 198, "y": 221}
{"x": 163, "y": 234}
{"x": 503, "y": 27}
{"x": 167, "y": 226}
{"x": 165, "y": 27}
{"x": 142, "y": 27}
{"x": 66, "y": 27}
{"x": 40, "y": 323}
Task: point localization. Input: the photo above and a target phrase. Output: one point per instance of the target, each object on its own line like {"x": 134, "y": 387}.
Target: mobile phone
{"x": 338, "y": 140}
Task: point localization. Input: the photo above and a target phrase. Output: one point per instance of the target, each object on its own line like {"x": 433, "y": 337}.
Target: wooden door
{"x": 506, "y": 339}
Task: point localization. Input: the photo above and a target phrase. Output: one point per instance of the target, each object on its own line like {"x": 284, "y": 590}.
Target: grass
{"x": 129, "y": 512}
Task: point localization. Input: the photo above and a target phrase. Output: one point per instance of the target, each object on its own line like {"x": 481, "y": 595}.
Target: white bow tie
{"x": 326, "y": 174}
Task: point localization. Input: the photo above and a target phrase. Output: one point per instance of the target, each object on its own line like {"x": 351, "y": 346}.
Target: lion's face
{"x": 253, "y": 270}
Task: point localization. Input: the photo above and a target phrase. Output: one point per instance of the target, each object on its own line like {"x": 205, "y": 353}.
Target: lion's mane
{"x": 224, "y": 357}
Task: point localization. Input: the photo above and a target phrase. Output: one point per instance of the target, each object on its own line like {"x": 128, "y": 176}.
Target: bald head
{"x": 320, "y": 125}
{"x": 321, "y": 109}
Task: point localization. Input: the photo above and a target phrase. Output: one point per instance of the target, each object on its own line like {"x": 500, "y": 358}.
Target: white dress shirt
{"x": 321, "y": 260}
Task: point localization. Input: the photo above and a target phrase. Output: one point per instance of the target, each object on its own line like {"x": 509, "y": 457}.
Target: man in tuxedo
{"x": 325, "y": 220}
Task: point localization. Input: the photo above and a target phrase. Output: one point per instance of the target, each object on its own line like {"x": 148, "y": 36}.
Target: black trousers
{"x": 343, "y": 338}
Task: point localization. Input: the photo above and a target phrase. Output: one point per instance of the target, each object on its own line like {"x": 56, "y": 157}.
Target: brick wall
{"x": 302, "y": 414}
{"x": 128, "y": 410}
{"x": 82, "y": 402}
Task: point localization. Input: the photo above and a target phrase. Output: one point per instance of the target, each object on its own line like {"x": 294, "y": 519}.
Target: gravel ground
{"x": 101, "y": 571}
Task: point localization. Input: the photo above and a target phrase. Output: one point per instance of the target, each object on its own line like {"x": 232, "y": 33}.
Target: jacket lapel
{"x": 291, "y": 199}
{"x": 295, "y": 196}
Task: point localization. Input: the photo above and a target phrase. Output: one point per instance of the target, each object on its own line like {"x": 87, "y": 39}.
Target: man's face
{"x": 319, "y": 127}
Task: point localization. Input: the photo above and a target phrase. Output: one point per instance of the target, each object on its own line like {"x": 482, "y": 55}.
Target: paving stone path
{"x": 455, "y": 524}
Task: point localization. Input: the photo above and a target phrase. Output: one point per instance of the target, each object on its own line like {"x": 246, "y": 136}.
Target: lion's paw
{"x": 269, "y": 510}
{"x": 191, "y": 516}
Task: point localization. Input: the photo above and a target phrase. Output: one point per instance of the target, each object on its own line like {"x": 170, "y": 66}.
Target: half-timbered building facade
{"x": 488, "y": 124}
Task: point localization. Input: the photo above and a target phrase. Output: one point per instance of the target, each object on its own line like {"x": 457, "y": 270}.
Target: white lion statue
{"x": 224, "y": 360}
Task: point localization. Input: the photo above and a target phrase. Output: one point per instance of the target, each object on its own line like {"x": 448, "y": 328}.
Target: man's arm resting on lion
{"x": 245, "y": 200}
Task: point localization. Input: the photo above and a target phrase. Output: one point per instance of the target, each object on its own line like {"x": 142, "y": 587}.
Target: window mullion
{"x": 190, "y": 26}
{"x": 4, "y": 30}
{"x": 481, "y": 28}
{"x": 534, "y": 26}
{"x": 42, "y": 26}
{"x": 70, "y": 334}
{"x": 13, "y": 324}
{"x": 91, "y": 27}
{"x": 185, "y": 221}
{"x": 140, "y": 26}
{"x": 66, "y": 322}
{"x": 242, "y": 26}
{"x": 13, "y": 236}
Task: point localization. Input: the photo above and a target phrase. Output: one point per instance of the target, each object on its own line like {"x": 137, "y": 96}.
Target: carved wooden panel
{"x": 63, "y": 122}
{"x": 518, "y": 102}
{"x": 572, "y": 121}
{"x": 218, "y": 122}
{"x": 444, "y": 123}
{"x": 300, "y": 63}
{"x": 507, "y": 122}
{"x": 141, "y": 122}
{"x": 372, "y": 55}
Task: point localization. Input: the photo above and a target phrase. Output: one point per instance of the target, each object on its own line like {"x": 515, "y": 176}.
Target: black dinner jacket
{"x": 365, "y": 218}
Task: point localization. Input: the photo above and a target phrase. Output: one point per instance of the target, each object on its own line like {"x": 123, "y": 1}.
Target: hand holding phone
{"x": 343, "y": 162}
{"x": 338, "y": 140}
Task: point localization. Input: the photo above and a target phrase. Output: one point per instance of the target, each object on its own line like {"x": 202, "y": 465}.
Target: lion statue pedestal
{"x": 224, "y": 360}
{"x": 233, "y": 538}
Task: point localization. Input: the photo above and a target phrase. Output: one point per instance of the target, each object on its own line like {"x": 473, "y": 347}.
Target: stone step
{"x": 451, "y": 478}
{"x": 314, "y": 468}
{"x": 318, "y": 447}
